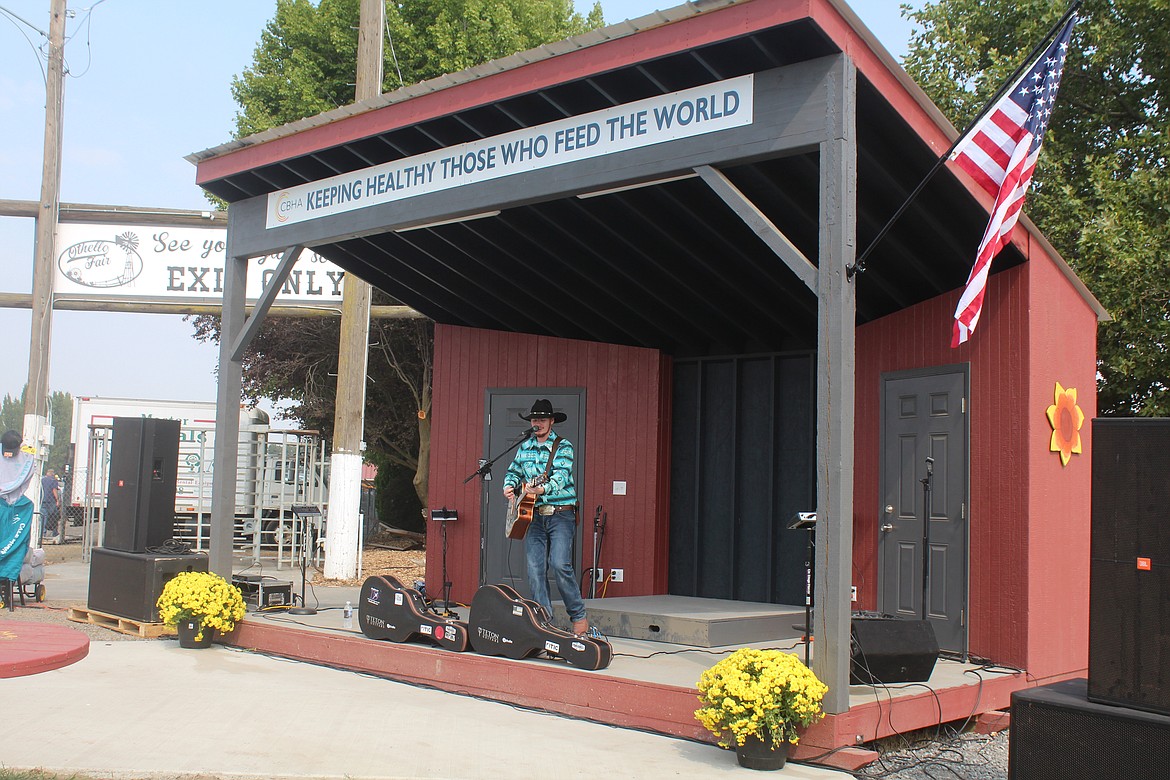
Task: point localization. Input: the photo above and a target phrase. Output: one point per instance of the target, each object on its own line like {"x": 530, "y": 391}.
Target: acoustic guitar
{"x": 521, "y": 508}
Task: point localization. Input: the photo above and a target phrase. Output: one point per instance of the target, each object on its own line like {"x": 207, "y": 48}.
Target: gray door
{"x": 503, "y": 558}
{"x": 924, "y": 416}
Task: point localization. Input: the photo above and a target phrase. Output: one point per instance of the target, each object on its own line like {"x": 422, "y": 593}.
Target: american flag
{"x": 1000, "y": 153}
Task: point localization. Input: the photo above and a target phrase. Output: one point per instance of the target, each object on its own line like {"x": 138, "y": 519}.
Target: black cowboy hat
{"x": 543, "y": 408}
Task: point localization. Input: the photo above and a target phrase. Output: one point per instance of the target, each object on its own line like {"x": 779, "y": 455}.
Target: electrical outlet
{"x": 853, "y": 593}
{"x": 617, "y": 575}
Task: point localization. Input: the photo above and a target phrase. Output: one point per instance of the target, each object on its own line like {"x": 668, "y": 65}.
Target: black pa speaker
{"x": 144, "y": 469}
{"x": 128, "y": 584}
{"x": 1129, "y": 574}
{"x": 886, "y": 650}
{"x": 1058, "y": 734}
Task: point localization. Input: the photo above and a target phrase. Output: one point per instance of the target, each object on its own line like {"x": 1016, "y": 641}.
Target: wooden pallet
{"x": 120, "y": 624}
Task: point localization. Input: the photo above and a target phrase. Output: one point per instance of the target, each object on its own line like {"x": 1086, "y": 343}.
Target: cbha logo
{"x": 286, "y": 204}
{"x": 102, "y": 264}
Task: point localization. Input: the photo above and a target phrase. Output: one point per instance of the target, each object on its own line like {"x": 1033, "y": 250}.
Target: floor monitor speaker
{"x": 128, "y": 584}
{"x": 144, "y": 465}
{"x": 1129, "y": 570}
{"x": 887, "y": 650}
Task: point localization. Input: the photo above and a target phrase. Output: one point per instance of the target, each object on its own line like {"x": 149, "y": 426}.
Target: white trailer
{"x": 276, "y": 470}
{"x": 93, "y": 419}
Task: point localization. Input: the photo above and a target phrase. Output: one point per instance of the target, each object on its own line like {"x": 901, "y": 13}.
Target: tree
{"x": 61, "y": 411}
{"x": 296, "y": 361}
{"x": 304, "y": 65}
{"x": 306, "y": 59}
{"x": 1100, "y": 187}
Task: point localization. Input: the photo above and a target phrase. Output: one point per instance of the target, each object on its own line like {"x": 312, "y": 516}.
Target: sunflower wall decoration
{"x": 1066, "y": 419}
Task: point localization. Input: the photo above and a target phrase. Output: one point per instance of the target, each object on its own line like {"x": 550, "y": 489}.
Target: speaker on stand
{"x": 144, "y": 468}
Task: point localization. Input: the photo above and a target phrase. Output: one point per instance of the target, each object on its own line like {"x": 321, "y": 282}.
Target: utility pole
{"x": 36, "y": 399}
{"x": 345, "y": 464}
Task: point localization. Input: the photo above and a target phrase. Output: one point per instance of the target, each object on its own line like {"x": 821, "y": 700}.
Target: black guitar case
{"x": 387, "y": 609}
{"x": 502, "y": 622}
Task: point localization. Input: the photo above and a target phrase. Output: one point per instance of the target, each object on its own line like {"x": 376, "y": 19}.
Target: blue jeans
{"x": 549, "y": 543}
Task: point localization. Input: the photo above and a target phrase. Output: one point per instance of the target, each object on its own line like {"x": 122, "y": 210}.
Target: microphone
{"x": 529, "y": 431}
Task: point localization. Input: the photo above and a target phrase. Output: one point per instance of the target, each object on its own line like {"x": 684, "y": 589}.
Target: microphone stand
{"x": 927, "y": 485}
{"x": 485, "y": 465}
{"x": 807, "y": 521}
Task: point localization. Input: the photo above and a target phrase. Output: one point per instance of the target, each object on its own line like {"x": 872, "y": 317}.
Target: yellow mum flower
{"x": 202, "y": 596}
{"x": 767, "y": 693}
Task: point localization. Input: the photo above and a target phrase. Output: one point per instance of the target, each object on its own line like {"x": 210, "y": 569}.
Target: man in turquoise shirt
{"x": 549, "y": 541}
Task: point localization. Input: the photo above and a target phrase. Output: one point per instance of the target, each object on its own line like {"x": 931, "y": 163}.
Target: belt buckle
{"x": 544, "y": 510}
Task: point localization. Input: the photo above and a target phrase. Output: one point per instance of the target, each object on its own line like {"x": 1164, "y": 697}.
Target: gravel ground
{"x": 933, "y": 755}
{"x": 407, "y": 565}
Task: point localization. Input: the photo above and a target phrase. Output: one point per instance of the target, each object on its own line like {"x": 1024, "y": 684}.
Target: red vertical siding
{"x": 626, "y": 414}
{"x": 1059, "y": 503}
{"x": 1020, "y": 502}
{"x": 919, "y": 337}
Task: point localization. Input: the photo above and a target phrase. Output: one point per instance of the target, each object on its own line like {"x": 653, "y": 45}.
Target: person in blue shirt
{"x": 549, "y": 541}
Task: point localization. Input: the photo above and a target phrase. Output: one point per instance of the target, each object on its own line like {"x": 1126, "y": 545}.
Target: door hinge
{"x": 962, "y": 617}
{"x": 963, "y": 511}
{"x": 963, "y": 405}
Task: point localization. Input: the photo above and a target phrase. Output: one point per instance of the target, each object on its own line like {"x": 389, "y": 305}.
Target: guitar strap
{"x": 551, "y": 455}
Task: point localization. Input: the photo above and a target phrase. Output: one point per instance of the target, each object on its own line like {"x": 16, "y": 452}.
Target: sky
{"x": 148, "y": 84}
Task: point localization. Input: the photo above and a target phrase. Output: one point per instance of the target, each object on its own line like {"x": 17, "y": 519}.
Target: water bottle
{"x": 347, "y": 616}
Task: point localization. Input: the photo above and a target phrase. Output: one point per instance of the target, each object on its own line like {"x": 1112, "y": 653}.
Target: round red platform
{"x": 30, "y": 648}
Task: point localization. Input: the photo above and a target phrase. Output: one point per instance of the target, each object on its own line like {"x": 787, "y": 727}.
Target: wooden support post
{"x": 837, "y": 312}
{"x": 345, "y": 472}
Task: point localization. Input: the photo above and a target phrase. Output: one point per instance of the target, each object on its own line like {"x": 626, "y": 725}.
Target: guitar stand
{"x": 599, "y": 521}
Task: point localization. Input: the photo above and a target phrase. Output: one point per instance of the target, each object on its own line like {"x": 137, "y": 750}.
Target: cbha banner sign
{"x": 706, "y": 109}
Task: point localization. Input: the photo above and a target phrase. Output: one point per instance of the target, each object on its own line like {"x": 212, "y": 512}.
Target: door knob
{"x": 889, "y": 509}
{"x": 887, "y": 527}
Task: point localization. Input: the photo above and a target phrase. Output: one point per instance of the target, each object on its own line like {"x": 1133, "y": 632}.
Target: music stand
{"x": 443, "y": 515}
{"x": 303, "y": 511}
{"x": 807, "y": 521}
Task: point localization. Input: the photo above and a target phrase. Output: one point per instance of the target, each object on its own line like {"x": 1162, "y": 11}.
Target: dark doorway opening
{"x": 742, "y": 458}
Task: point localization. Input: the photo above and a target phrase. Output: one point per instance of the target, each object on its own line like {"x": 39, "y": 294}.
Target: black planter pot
{"x": 189, "y": 629}
{"x": 757, "y": 753}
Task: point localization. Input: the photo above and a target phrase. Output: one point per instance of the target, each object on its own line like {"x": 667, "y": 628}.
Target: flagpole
{"x": 858, "y": 266}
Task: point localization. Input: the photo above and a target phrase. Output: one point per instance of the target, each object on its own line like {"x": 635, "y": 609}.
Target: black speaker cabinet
{"x": 144, "y": 466}
{"x": 1058, "y": 734}
{"x": 128, "y": 584}
{"x": 1129, "y": 574}
{"x": 891, "y": 651}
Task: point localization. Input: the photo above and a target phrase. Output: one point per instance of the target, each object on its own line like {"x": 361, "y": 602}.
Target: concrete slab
{"x": 150, "y": 709}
